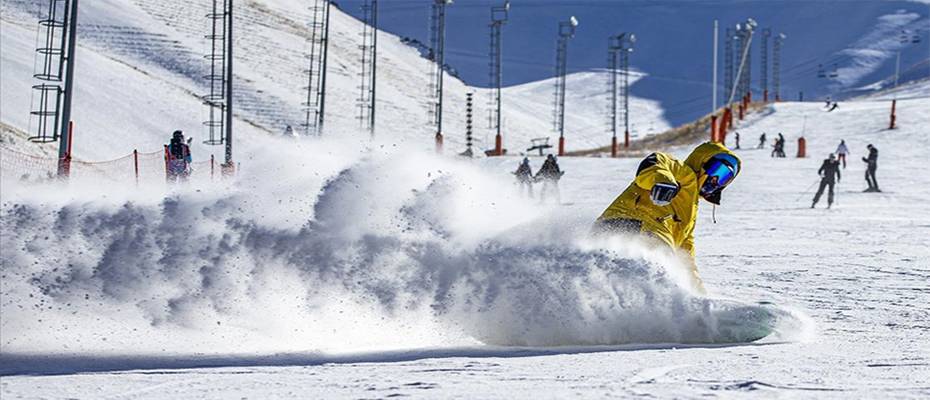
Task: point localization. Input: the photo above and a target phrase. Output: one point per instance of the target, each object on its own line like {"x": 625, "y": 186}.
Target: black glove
{"x": 663, "y": 193}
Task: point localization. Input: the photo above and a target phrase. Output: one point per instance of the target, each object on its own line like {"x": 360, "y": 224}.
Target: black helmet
{"x": 178, "y": 135}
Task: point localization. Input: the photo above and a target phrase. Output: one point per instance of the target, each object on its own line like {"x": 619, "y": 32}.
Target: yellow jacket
{"x": 672, "y": 223}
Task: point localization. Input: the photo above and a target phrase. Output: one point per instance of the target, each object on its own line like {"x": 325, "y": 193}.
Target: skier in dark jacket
{"x": 871, "y": 165}
{"x": 525, "y": 177}
{"x": 737, "y": 141}
{"x": 549, "y": 174}
{"x": 829, "y": 175}
{"x": 178, "y": 158}
{"x": 761, "y": 141}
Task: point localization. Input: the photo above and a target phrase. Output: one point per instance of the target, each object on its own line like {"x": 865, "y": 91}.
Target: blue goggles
{"x": 724, "y": 167}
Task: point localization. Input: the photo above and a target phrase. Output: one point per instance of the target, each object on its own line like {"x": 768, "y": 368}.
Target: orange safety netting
{"x": 139, "y": 168}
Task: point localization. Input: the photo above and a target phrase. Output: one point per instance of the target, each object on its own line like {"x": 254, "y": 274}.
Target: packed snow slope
{"x": 361, "y": 258}
{"x": 140, "y": 70}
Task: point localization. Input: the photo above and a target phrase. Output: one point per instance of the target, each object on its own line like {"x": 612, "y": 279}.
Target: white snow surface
{"x": 387, "y": 272}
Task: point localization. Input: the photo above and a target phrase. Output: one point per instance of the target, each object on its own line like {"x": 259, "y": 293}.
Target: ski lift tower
{"x": 437, "y": 47}
{"x": 499, "y": 16}
{"x": 369, "y": 62}
{"x": 315, "y": 103}
{"x": 776, "y": 65}
{"x": 566, "y": 32}
{"x": 728, "y": 61}
{"x": 764, "y": 70}
{"x": 619, "y": 48}
{"x": 54, "y": 69}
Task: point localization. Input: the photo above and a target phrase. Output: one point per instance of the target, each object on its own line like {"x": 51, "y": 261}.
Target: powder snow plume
{"x": 352, "y": 251}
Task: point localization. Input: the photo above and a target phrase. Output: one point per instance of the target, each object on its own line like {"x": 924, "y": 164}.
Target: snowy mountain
{"x": 141, "y": 67}
{"x": 857, "y": 39}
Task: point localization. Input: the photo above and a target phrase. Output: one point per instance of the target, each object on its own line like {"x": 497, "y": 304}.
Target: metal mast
{"x": 215, "y": 98}
{"x": 369, "y": 61}
{"x": 314, "y": 105}
{"x": 728, "y": 61}
{"x": 229, "y": 86}
{"x": 437, "y": 48}
{"x": 499, "y": 16}
{"x": 619, "y": 48}
{"x": 764, "y": 70}
{"x": 776, "y": 65}
{"x": 566, "y": 32}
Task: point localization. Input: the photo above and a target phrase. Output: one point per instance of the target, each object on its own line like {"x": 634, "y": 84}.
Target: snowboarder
{"x": 662, "y": 201}
{"x": 525, "y": 177}
{"x": 549, "y": 174}
{"x": 872, "y": 164}
{"x": 834, "y": 106}
{"x": 761, "y": 141}
{"x": 841, "y": 152}
{"x": 829, "y": 176}
{"x": 737, "y": 141}
{"x": 178, "y": 157}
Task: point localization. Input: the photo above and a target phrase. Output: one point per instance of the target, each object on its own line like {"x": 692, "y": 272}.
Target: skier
{"x": 737, "y": 141}
{"x": 662, "y": 202}
{"x": 289, "y": 132}
{"x": 761, "y": 141}
{"x": 178, "y": 157}
{"x": 841, "y": 152}
{"x": 872, "y": 164}
{"x": 525, "y": 177}
{"x": 549, "y": 174}
{"x": 781, "y": 145}
{"x": 829, "y": 176}
{"x": 834, "y": 106}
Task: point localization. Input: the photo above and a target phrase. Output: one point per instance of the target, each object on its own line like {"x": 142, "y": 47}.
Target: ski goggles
{"x": 724, "y": 167}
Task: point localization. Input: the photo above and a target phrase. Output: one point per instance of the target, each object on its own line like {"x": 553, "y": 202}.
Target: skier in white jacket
{"x": 841, "y": 152}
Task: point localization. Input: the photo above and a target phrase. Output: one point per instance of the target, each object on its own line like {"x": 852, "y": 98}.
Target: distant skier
{"x": 778, "y": 149}
{"x": 737, "y": 141}
{"x": 761, "y": 141}
{"x": 871, "y": 165}
{"x": 549, "y": 174}
{"x": 834, "y": 106}
{"x": 662, "y": 201}
{"x": 829, "y": 176}
{"x": 289, "y": 132}
{"x": 525, "y": 177}
{"x": 841, "y": 152}
{"x": 178, "y": 158}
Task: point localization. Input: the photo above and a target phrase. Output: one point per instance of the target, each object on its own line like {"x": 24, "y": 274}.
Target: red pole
{"x": 64, "y": 163}
{"x": 438, "y": 142}
{"x": 713, "y": 128}
{"x": 626, "y": 139}
{"x": 613, "y": 147}
{"x": 741, "y": 110}
{"x": 893, "y": 104}
{"x": 498, "y": 145}
{"x": 561, "y": 146}
{"x": 135, "y": 161}
{"x": 802, "y": 147}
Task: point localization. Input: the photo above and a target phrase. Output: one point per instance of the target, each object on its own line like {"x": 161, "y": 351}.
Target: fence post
{"x": 135, "y": 162}
{"x": 64, "y": 163}
{"x": 626, "y": 139}
{"x": 713, "y": 128}
{"x": 613, "y": 146}
{"x": 893, "y": 104}
{"x": 211, "y": 167}
{"x": 438, "y": 143}
{"x": 561, "y": 146}
{"x": 802, "y": 147}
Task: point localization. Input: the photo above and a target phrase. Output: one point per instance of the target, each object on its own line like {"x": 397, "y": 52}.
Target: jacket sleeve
{"x": 655, "y": 168}
{"x": 821, "y": 170}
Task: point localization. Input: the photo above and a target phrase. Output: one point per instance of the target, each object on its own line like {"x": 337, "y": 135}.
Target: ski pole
{"x": 806, "y": 191}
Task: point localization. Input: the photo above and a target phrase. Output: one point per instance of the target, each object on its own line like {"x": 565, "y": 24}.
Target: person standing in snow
{"x": 289, "y": 132}
{"x": 525, "y": 177}
{"x": 737, "y": 141}
{"x": 781, "y": 145}
{"x": 662, "y": 201}
{"x": 829, "y": 176}
{"x": 761, "y": 141}
{"x": 841, "y": 152}
{"x": 871, "y": 165}
{"x": 178, "y": 158}
{"x": 549, "y": 174}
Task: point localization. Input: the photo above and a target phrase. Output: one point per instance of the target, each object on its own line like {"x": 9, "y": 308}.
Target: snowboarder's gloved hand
{"x": 663, "y": 193}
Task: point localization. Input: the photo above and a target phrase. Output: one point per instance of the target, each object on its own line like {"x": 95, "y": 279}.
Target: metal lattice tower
{"x": 50, "y": 62}
{"x": 469, "y": 142}
{"x": 369, "y": 62}
{"x": 776, "y": 65}
{"x": 728, "y": 61}
{"x": 315, "y": 103}
{"x": 619, "y": 49}
{"x": 566, "y": 32}
{"x": 764, "y": 69}
{"x": 215, "y": 98}
{"x": 438, "y": 56}
{"x": 499, "y": 16}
